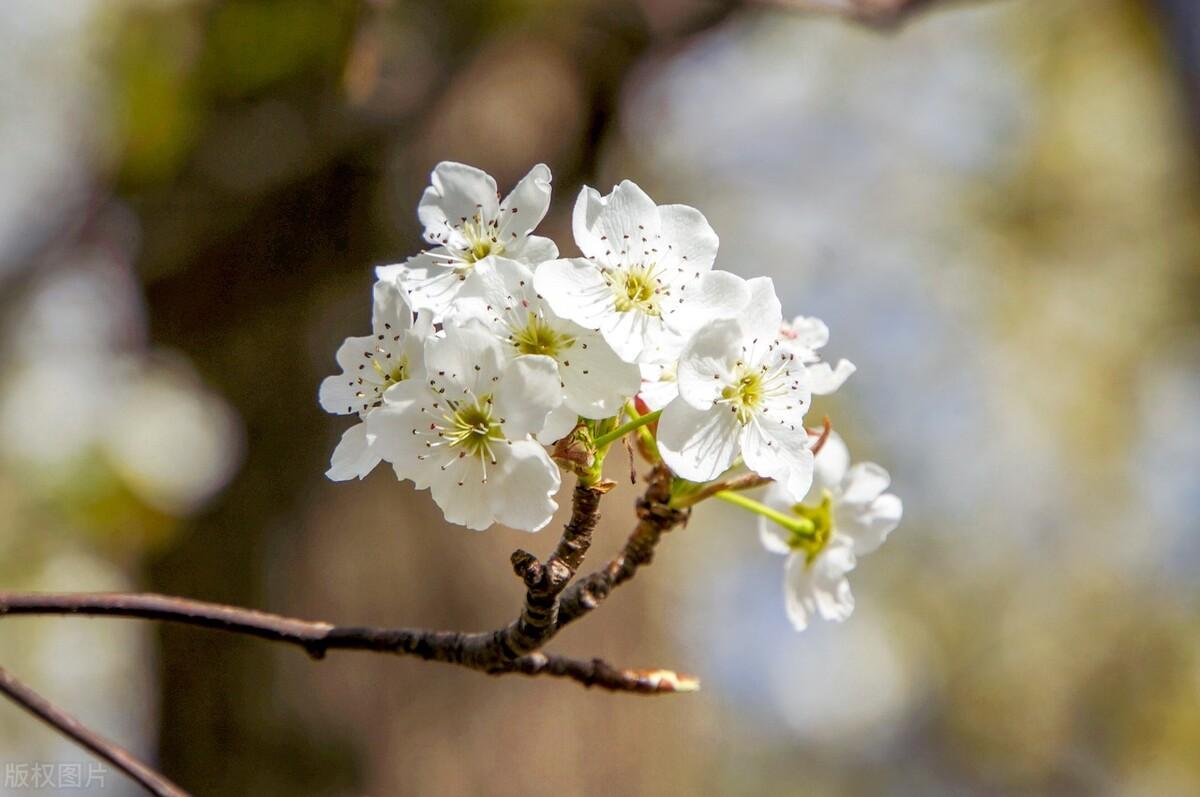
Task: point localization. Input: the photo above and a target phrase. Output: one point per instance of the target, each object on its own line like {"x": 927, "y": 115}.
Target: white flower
{"x": 370, "y": 365}
{"x": 804, "y": 335}
{"x": 659, "y": 384}
{"x": 468, "y": 224}
{"x": 852, "y": 515}
{"x": 740, "y": 393}
{"x": 464, "y": 431}
{"x": 595, "y": 382}
{"x": 641, "y": 262}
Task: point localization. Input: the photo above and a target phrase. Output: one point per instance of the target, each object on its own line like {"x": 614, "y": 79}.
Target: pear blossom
{"x": 594, "y": 381}
{"x": 641, "y": 261}
{"x": 804, "y": 335}
{"x": 465, "y": 430}
{"x": 370, "y": 365}
{"x": 852, "y": 516}
{"x": 468, "y": 225}
{"x": 741, "y": 393}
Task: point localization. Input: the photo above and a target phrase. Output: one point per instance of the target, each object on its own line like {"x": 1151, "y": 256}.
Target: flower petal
{"x": 466, "y": 359}
{"x": 527, "y": 391}
{"x": 870, "y": 525}
{"x": 525, "y": 207}
{"x": 691, "y": 241}
{"x": 698, "y": 444}
{"x": 355, "y": 456}
{"x": 457, "y": 192}
{"x": 779, "y": 450}
{"x": 823, "y": 380}
{"x": 390, "y": 312}
{"x": 522, "y": 490}
{"x": 829, "y": 467}
{"x": 864, "y": 483}
{"x": 715, "y": 295}
{"x": 559, "y": 424}
{"x": 706, "y": 364}
{"x": 596, "y": 382}
{"x": 575, "y": 289}
{"x": 820, "y": 589}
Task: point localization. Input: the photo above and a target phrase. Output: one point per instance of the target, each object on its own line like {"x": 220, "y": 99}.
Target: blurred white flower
{"x": 370, "y": 365}
{"x": 465, "y": 432}
{"x": 174, "y": 442}
{"x": 640, "y": 262}
{"x": 851, "y": 514}
{"x": 595, "y": 381}
{"x": 468, "y": 225}
{"x": 740, "y": 393}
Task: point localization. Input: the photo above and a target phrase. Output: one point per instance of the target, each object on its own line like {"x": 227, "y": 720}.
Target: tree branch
{"x": 72, "y": 728}
{"x": 656, "y": 517}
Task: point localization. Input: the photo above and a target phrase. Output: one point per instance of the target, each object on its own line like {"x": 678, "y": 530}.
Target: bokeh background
{"x": 992, "y": 204}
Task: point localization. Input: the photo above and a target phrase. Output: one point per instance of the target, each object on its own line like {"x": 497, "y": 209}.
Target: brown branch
{"x": 656, "y": 517}
{"x": 72, "y": 728}
{"x": 543, "y": 582}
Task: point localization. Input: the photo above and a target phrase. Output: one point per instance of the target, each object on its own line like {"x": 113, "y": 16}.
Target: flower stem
{"x": 793, "y": 523}
{"x": 649, "y": 446}
{"x": 625, "y": 428}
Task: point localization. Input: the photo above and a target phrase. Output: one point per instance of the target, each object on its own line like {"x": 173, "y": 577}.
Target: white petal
{"x": 864, "y": 483}
{"x": 707, "y": 361}
{"x": 763, "y": 314}
{"x": 807, "y": 332}
{"x": 528, "y": 390}
{"x": 583, "y": 222}
{"x": 829, "y": 467}
{"x": 522, "y": 490}
{"x": 615, "y": 225}
{"x": 390, "y": 311}
{"x": 531, "y": 250}
{"x": 596, "y": 382}
{"x": 698, "y": 444}
{"x": 559, "y": 424}
{"x": 427, "y": 280}
{"x": 715, "y": 295}
{"x": 456, "y": 192}
{"x": 575, "y": 290}
{"x": 354, "y": 456}
{"x": 659, "y": 385}
{"x": 779, "y": 450}
{"x": 692, "y": 241}
{"x": 636, "y": 336}
{"x": 870, "y": 525}
{"x": 820, "y": 589}
{"x": 823, "y": 380}
{"x": 525, "y": 207}
{"x": 466, "y": 360}
{"x": 462, "y": 494}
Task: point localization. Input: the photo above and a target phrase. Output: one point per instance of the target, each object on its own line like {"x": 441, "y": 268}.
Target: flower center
{"x": 481, "y": 240}
{"x": 538, "y": 337}
{"x": 635, "y": 288}
{"x": 822, "y": 520}
{"x": 398, "y": 371}
{"x": 472, "y": 428}
{"x": 744, "y": 395}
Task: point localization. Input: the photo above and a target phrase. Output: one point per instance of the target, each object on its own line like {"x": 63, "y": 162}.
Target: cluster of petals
{"x": 487, "y": 347}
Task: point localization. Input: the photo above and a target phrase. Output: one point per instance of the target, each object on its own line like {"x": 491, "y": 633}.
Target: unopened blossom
{"x": 594, "y": 381}
{"x": 370, "y": 365}
{"x": 646, "y": 280}
{"x": 741, "y": 393}
{"x": 804, "y": 335}
{"x": 468, "y": 224}
{"x": 464, "y": 431}
{"x": 851, "y": 514}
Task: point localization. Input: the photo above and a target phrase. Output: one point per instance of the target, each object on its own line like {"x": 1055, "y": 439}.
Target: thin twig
{"x": 69, "y": 726}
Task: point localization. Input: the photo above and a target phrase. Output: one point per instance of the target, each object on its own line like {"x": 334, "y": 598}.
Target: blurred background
{"x": 993, "y": 204}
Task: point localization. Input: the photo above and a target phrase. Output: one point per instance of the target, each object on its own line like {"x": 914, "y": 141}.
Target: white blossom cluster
{"x": 488, "y": 347}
